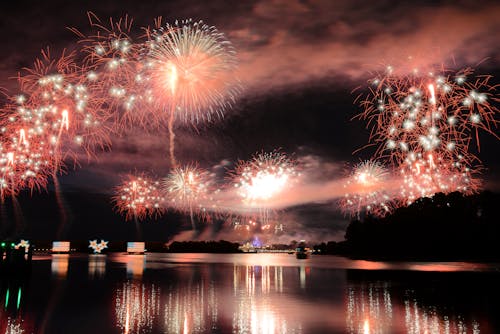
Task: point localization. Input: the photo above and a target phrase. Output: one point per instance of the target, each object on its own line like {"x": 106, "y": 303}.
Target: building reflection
{"x": 372, "y": 309}
{"x": 97, "y": 265}
{"x": 303, "y": 273}
{"x": 59, "y": 265}
{"x": 135, "y": 265}
{"x": 136, "y": 306}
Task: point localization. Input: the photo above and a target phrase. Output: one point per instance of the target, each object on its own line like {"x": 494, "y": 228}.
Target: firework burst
{"x": 423, "y": 124}
{"x": 191, "y": 67}
{"x": 138, "y": 197}
{"x": 58, "y": 102}
{"x": 434, "y": 112}
{"x": 264, "y": 177}
{"x": 24, "y": 160}
{"x": 190, "y": 70}
{"x": 189, "y": 189}
{"x": 423, "y": 179}
{"x": 52, "y": 119}
{"x": 111, "y": 59}
{"x": 363, "y": 190}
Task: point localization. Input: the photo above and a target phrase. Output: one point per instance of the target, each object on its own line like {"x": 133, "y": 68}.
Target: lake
{"x": 248, "y": 293}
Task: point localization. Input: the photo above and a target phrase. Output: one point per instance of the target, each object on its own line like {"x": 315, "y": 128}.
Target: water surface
{"x": 248, "y": 293}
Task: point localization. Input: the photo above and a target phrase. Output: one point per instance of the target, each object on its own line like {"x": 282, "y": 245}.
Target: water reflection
{"x": 136, "y": 307}
{"x": 59, "y": 265}
{"x": 12, "y": 294}
{"x": 258, "y": 295}
{"x": 369, "y": 309}
{"x": 274, "y": 299}
{"x": 372, "y": 309}
{"x": 135, "y": 265}
{"x": 12, "y": 291}
{"x": 192, "y": 307}
{"x": 97, "y": 265}
{"x": 421, "y": 319}
{"x": 13, "y": 326}
{"x": 281, "y": 296}
{"x": 257, "y": 279}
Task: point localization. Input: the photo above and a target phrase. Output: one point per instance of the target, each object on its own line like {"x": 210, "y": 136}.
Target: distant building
{"x": 136, "y": 247}
{"x": 60, "y": 247}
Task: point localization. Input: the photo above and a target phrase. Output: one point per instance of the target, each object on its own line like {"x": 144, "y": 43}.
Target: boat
{"x": 302, "y": 252}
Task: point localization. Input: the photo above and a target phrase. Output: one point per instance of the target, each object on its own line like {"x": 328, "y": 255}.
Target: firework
{"x": 24, "y": 160}
{"x": 190, "y": 69}
{"x": 265, "y": 176}
{"x": 421, "y": 113}
{"x": 185, "y": 69}
{"x": 424, "y": 179}
{"x": 423, "y": 125}
{"x": 53, "y": 118}
{"x": 363, "y": 190}
{"x": 189, "y": 189}
{"x": 111, "y": 59}
{"x": 138, "y": 197}
{"x": 59, "y": 104}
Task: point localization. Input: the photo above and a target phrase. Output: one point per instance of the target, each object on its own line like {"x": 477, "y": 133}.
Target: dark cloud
{"x": 282, "y": 42}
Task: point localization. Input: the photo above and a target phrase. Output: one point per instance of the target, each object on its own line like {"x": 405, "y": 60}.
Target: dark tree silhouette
{"x": 451, "y": 226}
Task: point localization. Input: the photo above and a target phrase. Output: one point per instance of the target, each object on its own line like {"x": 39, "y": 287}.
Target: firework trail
{"x": 18, "y": 215}
{"x": 188, "y": 189}
{"x": 190, "y": 69}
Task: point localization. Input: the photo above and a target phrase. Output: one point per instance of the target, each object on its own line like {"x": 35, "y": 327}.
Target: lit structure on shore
{"x": 59, "y": 247}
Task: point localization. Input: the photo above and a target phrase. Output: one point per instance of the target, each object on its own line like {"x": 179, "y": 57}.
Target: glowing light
{"x": 65, "y": 120}
{"x": 22, "y": 137}
{"x": 265, "y": 176}
{"x": 98, "y": 247}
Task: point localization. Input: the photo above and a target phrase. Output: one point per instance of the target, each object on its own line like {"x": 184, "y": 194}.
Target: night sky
{"x": 299, "y": 64}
